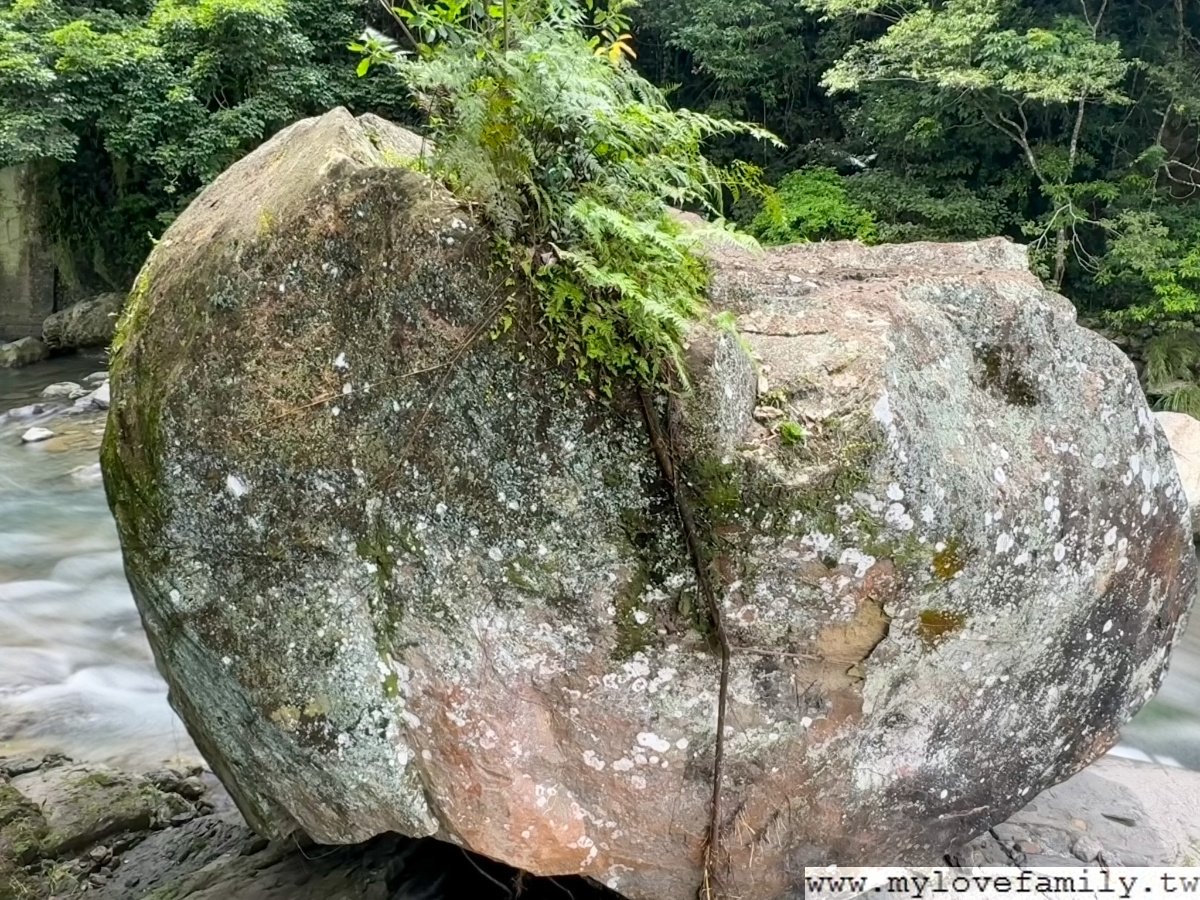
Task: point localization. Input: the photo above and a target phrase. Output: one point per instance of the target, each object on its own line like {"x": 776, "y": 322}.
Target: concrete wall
{"x": 27, "y": 272}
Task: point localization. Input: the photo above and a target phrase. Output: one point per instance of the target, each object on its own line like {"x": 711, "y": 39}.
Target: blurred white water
{"x": 76, "y": 673}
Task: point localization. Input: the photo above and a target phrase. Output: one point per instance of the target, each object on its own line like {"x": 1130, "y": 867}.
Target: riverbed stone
{"x": 84, "y": 804}
{"x": 35, "y": 435}
{"x": 88, "y": 323}
{"x": 402, "y": 577}
{"x": 29, "y": 411}
{"x": 1115, "y": 811}
{"x": 94, "y": 400}
{"x": 23, "y": 352}
{"x": 64, "y": 389}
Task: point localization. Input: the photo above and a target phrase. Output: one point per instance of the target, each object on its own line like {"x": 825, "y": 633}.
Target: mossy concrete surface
{"x": 404, "y": 577}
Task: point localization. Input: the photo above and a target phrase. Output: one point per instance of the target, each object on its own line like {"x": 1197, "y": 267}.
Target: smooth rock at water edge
{"x": 100, "y": 396}
{"x": 31, "y": 411}
{"x": 1125, "y": 813}
{"x": 96, "y": 378}
{"x": 1183, "y": 434}
{"x": 85, "y": 804}
{"x": 24, "y": 352}
{"x": 67, "y": 389}
{"x": 97, "y": 399}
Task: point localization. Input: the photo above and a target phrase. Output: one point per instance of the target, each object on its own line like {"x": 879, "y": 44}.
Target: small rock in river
{"x": 97, "y": 399}
{"x": 27, "y": 412}
{"x": 68, "y": 389}
{"x": 33, "y": 435}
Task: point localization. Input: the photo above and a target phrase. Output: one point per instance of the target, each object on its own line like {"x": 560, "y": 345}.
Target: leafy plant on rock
{"x": 576, "y": 161}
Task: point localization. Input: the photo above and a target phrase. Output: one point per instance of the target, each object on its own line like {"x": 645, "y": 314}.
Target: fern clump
{"x": 539, "y": 120}
{"x": 812, "y": 205}
{"x": 1172, "y": 370}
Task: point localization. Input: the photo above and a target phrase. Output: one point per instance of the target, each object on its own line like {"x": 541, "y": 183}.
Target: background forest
{"x": 1071, "y": 125}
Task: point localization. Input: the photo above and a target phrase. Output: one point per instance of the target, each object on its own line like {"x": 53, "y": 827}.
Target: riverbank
{"x": 69, "y": 829}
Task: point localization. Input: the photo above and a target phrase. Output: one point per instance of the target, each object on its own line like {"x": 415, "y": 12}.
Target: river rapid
{"x": 76, "y": 673}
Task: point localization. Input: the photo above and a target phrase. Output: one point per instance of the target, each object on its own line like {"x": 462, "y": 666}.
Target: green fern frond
{"x": 562, "y": 147}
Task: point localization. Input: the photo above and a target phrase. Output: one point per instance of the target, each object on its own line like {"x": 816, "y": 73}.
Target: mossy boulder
{"x": 79, "y": 806}
{"x": 401, "y": 576}
{"x": 88, "y": 323}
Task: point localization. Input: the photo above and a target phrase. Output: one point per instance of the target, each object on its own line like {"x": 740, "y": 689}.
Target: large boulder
{"x": 401, "y": 576}
{"x": 89, "y": 323}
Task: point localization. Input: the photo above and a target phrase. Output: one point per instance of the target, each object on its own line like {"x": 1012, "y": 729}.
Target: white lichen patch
{"x": 652, "y": 741}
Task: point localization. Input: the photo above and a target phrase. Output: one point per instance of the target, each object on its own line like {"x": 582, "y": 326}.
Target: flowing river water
{"x": 76, "y": 674}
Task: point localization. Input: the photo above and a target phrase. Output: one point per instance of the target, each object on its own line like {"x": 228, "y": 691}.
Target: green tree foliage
{"x": 1071, "y": 125}
{"x": 539, "y": 119}
{"x": 1012, "y": 69}
{"x": 759, "y": 60}
{"x": 812, "y": 204}
{"x": 129, "y": 106}
{"x": 1059, "y": 122}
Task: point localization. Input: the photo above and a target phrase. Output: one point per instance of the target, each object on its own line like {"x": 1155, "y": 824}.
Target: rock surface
{"x": 69, "y": 830}
{"x": 1183, "y": 434}
{"x": 64, "y": 389}
{"x": 97, "y": 399}
{"x": 1114, "y": 812}
{"x": 89, "y": 323}
{"x": 402, "y": 577}
{"x": 24, "y": 352}
{"x": 31, "y": 411}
